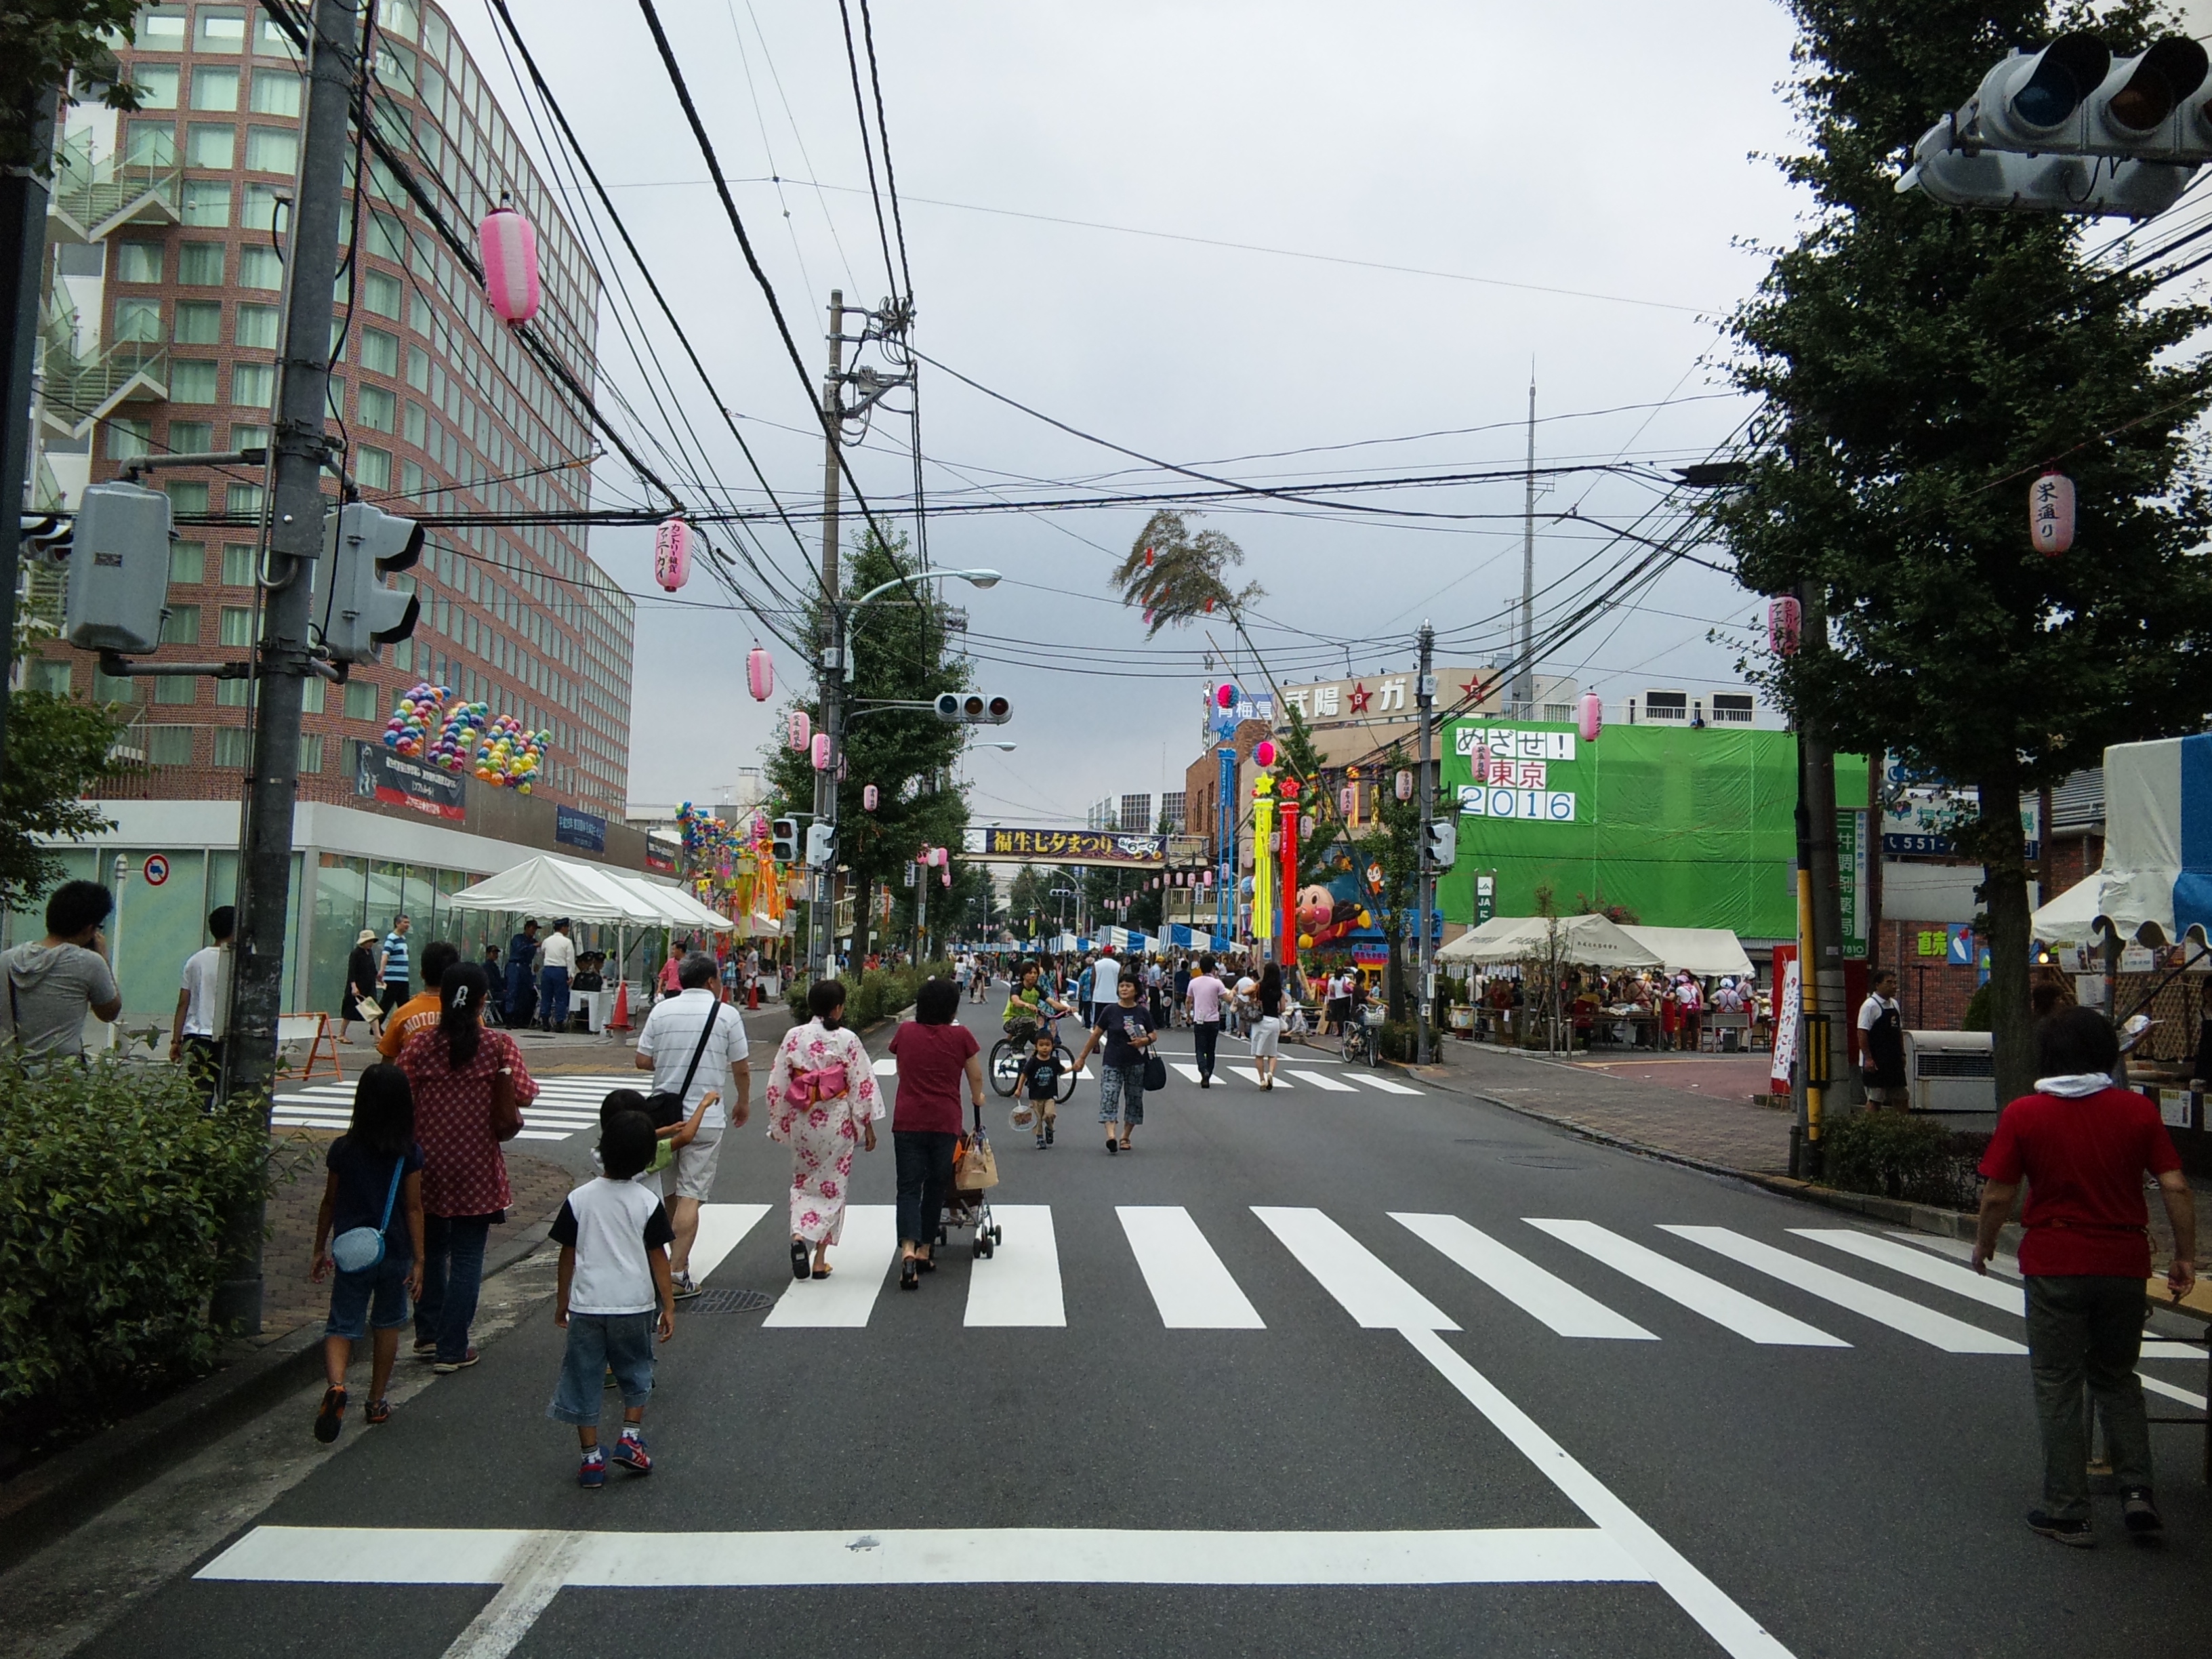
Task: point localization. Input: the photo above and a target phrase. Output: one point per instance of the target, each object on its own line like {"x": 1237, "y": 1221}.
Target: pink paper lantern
{"x": 1482, "y": 763}
{"x": 868, "y": 798}
{"x": 671, "y": 555}
{"x": 1784, "y": 617}
{"x": 944, "y": 872}
{"x": 1403, "y": 786}
{"x": 760, "y": 673}
{"x": 1263, "y": 753}
{"x": 1590, "y": 718}
{"x": 822, "y": 751}
{"x": 799, "y": 727}
{"x": 2051, "y": 514}
{"x": 509, "y": 247}
{"x": 1345, "y": 798}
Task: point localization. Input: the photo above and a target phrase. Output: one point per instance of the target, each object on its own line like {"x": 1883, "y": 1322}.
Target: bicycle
{"x": 1008, "y": 1053}
{"x": 1361, "y": 1040}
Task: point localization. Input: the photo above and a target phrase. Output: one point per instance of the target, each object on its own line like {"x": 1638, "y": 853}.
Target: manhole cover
{"x": 726, "y": 1302}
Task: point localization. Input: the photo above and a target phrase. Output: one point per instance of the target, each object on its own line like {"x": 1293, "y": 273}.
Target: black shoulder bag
{"x": 666, "y": 1110}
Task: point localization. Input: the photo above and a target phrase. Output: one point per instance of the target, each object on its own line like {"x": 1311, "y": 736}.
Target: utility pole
{"x": 23, "y": 264}
{"x": 1821, "y": 964}
{"x": 829, "y": 675}
{"x": 1524, "y": 685}
{"x": 295, "y": 541}
{"x": 1424, "y": 896}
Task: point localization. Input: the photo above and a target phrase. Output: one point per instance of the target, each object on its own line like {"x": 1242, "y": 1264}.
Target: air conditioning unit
{"x": 1951, "y": 1070}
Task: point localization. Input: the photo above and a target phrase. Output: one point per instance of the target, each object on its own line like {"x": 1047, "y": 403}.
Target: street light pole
{"x": 829, "y": 675}
{"x": 1425, "y": 897}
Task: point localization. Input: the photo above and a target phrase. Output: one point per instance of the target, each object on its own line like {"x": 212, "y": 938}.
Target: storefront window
{"x": 340, "y": 895}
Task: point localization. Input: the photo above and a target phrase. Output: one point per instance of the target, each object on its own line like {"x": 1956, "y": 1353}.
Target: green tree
{"x": 1394, "y": 844}
{"x": 1029, "y": 906}
{"x": 900, "y": 653}
{"x": 1919, "y": 366}
{"x": 57, "y": 751}
{"x": 45, "y": 44}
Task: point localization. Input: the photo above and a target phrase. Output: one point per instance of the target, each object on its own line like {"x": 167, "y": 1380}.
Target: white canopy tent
{"x": 1708, "y": 952}
{"x": 1590, "y": 940}
{"x": 2155, "y": 884}
{"x": 550, "y": 887}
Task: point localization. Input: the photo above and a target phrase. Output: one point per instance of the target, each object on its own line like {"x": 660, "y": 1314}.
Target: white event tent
{"x": 550, "y": 887}
{"x": 1589, "y": 940}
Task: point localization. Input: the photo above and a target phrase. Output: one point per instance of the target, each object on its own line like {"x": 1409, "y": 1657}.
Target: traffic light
{"x": 1443, "y": 843}
{"x": 784, "y": 833}
{"x": 822, "y": 846}
{"x": 356, "y": 613}
{"x": 118, "y": 569}
{"x": 2071, "y": 130}
{"x": 973, "y": 708}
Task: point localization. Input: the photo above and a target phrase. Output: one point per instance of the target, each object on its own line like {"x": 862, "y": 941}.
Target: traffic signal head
{"x": 973, "y": 708}
{"x": 118, "y": 569}
{"x": 2138, "y": 109}
{"x": 822, "y": 846}
{"x": 2028, "y": 101}
{"x": 785, "y": 839}
{"x": 356, "y": 613}
{"x": 1443, "y": 843}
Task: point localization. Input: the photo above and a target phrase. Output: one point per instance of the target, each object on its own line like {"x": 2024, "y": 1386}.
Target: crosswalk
{"x": 1191, "y": 1287}
{"x": 567, "y": 1104}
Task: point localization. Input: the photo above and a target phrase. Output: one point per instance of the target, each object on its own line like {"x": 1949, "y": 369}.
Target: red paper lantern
{"x": 2051, "y": 514}
{"x": 1784, "y": 617}
{"x": 1589, "y": 719}
{"x": 760, "y": 673}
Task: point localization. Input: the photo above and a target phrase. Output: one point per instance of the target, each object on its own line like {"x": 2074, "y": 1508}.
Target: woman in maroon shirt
{"x": 933, "y": 1053}
{"x": 453, "y": 1070}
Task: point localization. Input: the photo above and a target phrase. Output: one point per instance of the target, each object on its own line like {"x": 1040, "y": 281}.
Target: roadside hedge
{"x": 1895, "y": 1156}
{"x": 875, "y": 994}
{"x": 114, "y": 1186}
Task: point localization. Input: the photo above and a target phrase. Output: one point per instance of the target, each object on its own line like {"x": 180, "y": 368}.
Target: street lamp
{"x": 852, "y": 612}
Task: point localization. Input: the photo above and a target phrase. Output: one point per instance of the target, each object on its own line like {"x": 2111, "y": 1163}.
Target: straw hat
{"x": 367, "y": 936}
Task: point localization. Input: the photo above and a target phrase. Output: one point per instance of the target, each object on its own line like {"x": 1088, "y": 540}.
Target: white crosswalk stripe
{"x": 1382, "y": 1083}
{"x": 721, "y": 1228}
{"x": 1018, "y": 1284}
{"x": 1521, "y": 1281}
{"x": 1251, "y": 1075}
{"x": 568, "y": 1104}
{"x": 1188, "y": 1071}
{"x": 1190, "y": 1284}
{"x": 859, "y": 1262}
{"x": 1370, "y": 1291}
{"x": 1918, "y": 1264}
{"x": 1322, "y": 1080}
{"x": 1723, "y": 1304}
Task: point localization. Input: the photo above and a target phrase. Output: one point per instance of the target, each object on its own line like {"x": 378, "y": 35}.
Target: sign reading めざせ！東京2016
{"x": 1684, "y": 827}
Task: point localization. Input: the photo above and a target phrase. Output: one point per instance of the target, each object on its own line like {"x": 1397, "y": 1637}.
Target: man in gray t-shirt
{"x": 50, "y": 984}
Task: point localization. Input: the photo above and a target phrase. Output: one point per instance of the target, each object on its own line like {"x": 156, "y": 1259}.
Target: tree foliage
{"x": 58, "y": 750}
{"x": 1394, "y": 847}
{"x": 45, "y": 44}
{"x": 1919, "y": 366}
{"x": 1175, "y": 577}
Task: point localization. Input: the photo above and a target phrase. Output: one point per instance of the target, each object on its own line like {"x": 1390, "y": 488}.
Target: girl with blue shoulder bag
{"x": 375, "y": 1267}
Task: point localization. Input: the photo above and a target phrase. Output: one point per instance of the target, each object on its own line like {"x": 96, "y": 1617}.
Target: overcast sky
{"x": 1572, "y": 187}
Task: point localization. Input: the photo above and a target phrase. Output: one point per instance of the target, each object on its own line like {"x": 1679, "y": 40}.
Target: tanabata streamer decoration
{"x": 2051, "y": 514}
{"x": 1263, "y": 877}
{"x": 410, "y": 731}
{"x": 1590, "y": 718}
{"x": 732, "y": 866}
{"x": 760, "y": 673}
{"x": 671, "y": 555}
{"x": 510, "y": 758}
{"x": 508, "y": 244}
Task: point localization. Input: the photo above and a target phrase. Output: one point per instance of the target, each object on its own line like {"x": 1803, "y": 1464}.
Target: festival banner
{"x": 1066, "y": 847}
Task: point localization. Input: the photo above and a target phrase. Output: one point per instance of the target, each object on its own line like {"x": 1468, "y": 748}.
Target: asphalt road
{"x": 1323, "y": 1371}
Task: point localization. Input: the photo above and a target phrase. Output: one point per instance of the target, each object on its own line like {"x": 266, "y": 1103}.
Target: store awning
{"x": 548, "y": 887}
{"x": 1589, "y": 940}
{"x": 2155, "y": 884}
{"x": 1708, "y": 952}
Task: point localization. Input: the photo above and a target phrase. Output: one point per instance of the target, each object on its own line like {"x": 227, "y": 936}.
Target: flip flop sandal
{"x": 802, "y": 1266}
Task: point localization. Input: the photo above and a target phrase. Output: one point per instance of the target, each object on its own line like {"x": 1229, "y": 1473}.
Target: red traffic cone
{"x": 752, "y": 995}
{"x": 619, "y": 1020}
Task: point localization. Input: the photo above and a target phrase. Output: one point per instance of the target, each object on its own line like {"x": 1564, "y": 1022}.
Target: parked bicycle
{"x": 1363, "y": 1034}
{"x": 1008, "y": 1053}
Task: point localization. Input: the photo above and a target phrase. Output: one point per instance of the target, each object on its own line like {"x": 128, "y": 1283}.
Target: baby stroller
{"x": 967, "y": 1205}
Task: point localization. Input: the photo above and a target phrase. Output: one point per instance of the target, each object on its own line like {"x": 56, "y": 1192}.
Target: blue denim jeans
{"x": 553, "y": 997}
{"x": 452, "y": 1274}
{"x": 598, "y": 1343}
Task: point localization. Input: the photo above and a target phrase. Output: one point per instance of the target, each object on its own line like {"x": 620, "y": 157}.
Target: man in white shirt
{"x": 1882, "y": 1044}
{"x": 1103, "y": 978}
{"x": 669, "y": 1037}
{"x": 556, "y": 962}
{"x": 196, "y": 1033}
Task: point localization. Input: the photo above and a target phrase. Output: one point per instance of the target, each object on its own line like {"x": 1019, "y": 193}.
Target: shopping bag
{"x": 975, "y": 1168}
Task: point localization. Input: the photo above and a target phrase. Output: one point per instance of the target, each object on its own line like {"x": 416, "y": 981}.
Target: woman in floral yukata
{"x": 822, "y": 1103}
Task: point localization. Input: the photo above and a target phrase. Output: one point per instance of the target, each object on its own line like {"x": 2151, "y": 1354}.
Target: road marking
{"x": 1189, "y": 1071}
{"x": 1721, "y": 1304}
{"x": 533, "y": 1575}
{"x": 1019, "y": 1283}
{"x": 1382, "y": 1083}
{"x": 859, "y": 1262}
{"x": 1918, "y": 1264}
{"x": 1251, "y": 1075}
{"x": 1008, "y": 1555}
{"x": 1351, "y": 1273}
{"x": 1738, "y": 1634}
{"x": 2184, "y": 1395}
{"x": 887, "y": 1066}
{"x": 1938, "y": 1330}
{"x": 720, "y": 1227}
{"x": 1533, "y": 1290}
{"x": 1319, "y": 1080}
{"x": 1190, "y": 1284}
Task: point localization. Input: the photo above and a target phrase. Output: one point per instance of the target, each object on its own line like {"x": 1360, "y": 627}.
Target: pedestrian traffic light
{"x": 118, "y": 569}
{"x": 2028, "y": 138}
{"x": 354, "y": 612}
{"x": 1443, "y": 843}
{"x": 973, "y": 708}
{"x": 784, "y": 833}
{"x": 822, "y": 846}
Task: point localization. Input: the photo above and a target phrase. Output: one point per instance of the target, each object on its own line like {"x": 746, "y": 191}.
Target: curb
{"x": 71, "y": 1487}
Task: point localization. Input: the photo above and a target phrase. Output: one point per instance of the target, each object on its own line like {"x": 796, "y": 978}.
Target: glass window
{"x": 137, "y": 261}
{"x": 161, "y": 28}
{"x": 270, "y": 39}
{"x": 209, "y": 146}
{"x": 397, "y": 17}
{"x": 48, "y": 674}
{"x": 311, "y": 694}
{"x": 237, "y": 624}
{"x": 169, "y": 745}
{"x": 417, "y": 421}
{"x": 237, "y": 561}
{"x": 243, "y": 498}
{"x": 138, "y": 319}
{"x": 190, "y": 437}
{"x": 181, "y": 626}
{"x": 338, "y": 340}
{"x": 156, "y": 84}
{"x": 418, "y": 368}
{"x": 311, "y": 744}
{"x": 198, "y": 322}
{"x": 128, "y": 439}
{"x": 187, "y": 560}
{"x": 233, "y": 744}
{"x": 187, "y": 496}
{"x": 434, "y": 35}
{"x": 253, "y": 386}
{"x": 276, "y": 92}
{"x": 232, "y": 694}
{"x": 244, "y": 437}
{"x": 260, "y": 267}
{"x": 207, "y": 202}
{"x": 380, "y": 351}
{"x": 373, "y": 467}
{"x": 222, "y": 28}
{"x": 151, "y": 143}
{"x": 191, "y": 381}
{"x": 377, "y": 407}
{"x": 360, "y": 702}
{"x": 380, "y": 294}
{"x": 199, "y": 264}
{"x": 260, "y": 208}
{"x": 338, "y": 395}
{"x": 254, "y": 326}
{"x": 272, "y": 149}
{"x": 410, "y": 477}
{"x": 174, "y": 689}
{"x": 215, "y": 89}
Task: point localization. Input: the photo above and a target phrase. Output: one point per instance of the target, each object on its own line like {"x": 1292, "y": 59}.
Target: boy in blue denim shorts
{"x": 375, "y": 1184}
{"x": 615, "y": 1295}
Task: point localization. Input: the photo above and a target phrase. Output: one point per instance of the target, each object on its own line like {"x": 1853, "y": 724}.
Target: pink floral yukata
{"x": 823, "y": 1134}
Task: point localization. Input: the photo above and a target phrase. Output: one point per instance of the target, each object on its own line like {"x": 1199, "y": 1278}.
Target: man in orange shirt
{"x": 418, "y": 1014}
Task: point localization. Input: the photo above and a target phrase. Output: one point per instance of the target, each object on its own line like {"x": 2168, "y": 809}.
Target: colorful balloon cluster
{"x": 414, "y": 718}
{"x": 510, "y": 758}
{"x": 460, "y": 736}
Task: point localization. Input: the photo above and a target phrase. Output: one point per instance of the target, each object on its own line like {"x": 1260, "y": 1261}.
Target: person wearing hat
{"x": 557, "y": 961}
{"x": 521, "y": 998}
{"x": 357, "y": 1000}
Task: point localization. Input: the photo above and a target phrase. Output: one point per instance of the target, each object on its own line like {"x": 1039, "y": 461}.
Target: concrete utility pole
{"x": 830, "y": 674}
{"x": 1524, "y": 685}
{"x": 1425, "y": 897}
{"x": 22, "y": 264}
{"x": 295, "y": 540}
{"x": 1820, "y": 967}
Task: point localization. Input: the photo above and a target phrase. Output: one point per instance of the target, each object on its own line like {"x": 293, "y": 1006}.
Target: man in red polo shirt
{"x": 2083, "y": 1146}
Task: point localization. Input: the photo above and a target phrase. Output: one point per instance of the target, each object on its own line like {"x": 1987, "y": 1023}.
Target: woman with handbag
{"x": 358, "y": 1000}
{"x": 934, "y": 1051}
{"x": 1128, "y": 1066}
{"x": 822, "y": 1103}
{"x": 471, "y": 1086}
{"x": 1267, "y": 1025}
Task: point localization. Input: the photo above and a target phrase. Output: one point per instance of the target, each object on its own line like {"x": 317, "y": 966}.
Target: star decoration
{"x": 1471, "y": 688}
{"x": 1359, "y": 698}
